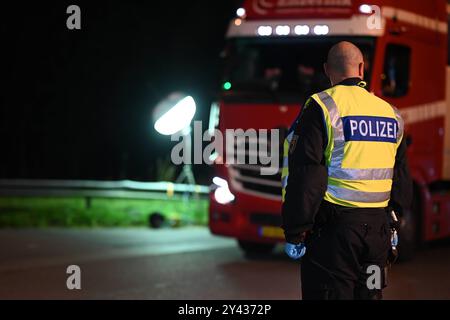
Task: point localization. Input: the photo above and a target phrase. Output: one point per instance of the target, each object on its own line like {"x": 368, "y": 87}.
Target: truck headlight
{"x": 222, "y": 194}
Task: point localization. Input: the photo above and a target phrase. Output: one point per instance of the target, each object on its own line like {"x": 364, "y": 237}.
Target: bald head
{"x": 345, "y": 60}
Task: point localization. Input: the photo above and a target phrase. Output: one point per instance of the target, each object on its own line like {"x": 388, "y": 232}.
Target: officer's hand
{"x": 295, "y": 251}
{"x": 394, "y": 239}
{"x": 393, "y": 253}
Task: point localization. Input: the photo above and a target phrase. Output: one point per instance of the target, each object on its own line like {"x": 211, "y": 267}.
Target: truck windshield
{"x": 281, "y": 69}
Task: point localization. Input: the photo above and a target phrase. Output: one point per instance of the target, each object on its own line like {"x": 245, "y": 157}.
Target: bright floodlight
{"x": 174, "y": 114}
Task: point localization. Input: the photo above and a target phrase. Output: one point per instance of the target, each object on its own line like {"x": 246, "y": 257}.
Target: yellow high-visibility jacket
{"x": 363, "y": 134}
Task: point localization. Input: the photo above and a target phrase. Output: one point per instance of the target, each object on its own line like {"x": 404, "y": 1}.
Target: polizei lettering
{"x": 365, "y": 128}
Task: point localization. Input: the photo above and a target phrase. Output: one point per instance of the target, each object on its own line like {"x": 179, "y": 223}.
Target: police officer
{"x": 345, "y": 164}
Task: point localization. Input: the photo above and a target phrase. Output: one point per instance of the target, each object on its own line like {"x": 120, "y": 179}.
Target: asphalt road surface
{"x": 186, "y": 263}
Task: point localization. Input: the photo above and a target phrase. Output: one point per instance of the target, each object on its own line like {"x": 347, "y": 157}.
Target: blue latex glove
{"x": 394, "y": 239}
{"x": 295, "y": 251}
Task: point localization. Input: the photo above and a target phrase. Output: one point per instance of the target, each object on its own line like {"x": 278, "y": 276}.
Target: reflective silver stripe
{"x": 289, "y": 136}
{"x": 335, "y": 119}
{"x": 400, "y": 123}
{"x": 338, "y": 131}
{"x": 284, "y": 181}
{"x": 337, "y": 155}
{"x": 285, "y": 162}
{"x": 358, "y": 196}
{"x": 335, "y": 169}
{"x": 360, "y": 174}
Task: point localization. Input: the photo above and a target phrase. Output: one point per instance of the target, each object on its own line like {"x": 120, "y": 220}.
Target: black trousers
{"x": 341, "y": 251}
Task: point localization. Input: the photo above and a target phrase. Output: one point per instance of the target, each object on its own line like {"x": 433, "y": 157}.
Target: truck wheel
{"x": 252, "y": 248}
{"x": 409, "y": 234}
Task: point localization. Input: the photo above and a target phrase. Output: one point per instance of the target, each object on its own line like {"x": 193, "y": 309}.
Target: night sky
{"x": 76, "y": 104}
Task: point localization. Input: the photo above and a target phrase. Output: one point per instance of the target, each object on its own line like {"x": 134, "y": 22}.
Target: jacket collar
{"x": 353, "y": 82}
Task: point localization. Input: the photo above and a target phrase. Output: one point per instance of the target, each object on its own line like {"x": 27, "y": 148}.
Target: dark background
{"x": 76, "y": 104}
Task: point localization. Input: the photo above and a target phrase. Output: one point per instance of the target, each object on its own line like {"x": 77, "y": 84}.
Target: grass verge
{"x": 21, "y": 212}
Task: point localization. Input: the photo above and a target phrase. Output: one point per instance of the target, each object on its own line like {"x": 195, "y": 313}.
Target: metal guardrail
{"x": 95, "y": 189}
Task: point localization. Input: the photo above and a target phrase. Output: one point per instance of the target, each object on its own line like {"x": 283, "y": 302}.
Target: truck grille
{"x": 247, "y": 178}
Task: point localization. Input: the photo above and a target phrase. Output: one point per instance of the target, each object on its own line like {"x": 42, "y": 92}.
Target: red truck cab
{"x": 273, "y": 61}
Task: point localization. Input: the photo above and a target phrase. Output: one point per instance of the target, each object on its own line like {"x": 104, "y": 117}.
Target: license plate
{"x": 271, "y": 232}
